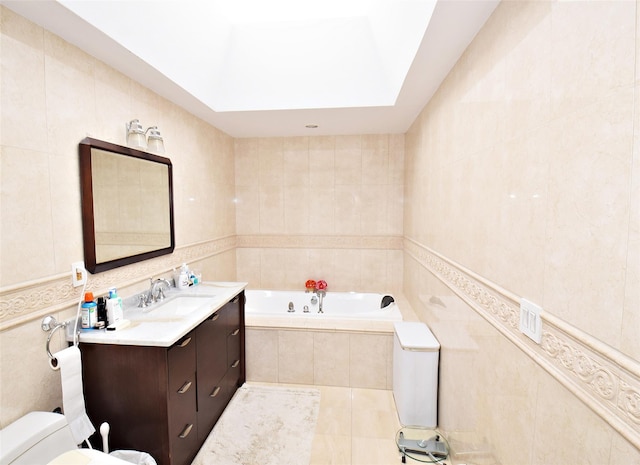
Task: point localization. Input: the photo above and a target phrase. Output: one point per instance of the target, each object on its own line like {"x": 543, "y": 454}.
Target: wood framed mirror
{"x": 127, "y": 205}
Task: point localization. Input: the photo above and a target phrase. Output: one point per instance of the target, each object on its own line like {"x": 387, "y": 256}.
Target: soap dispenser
{"x": 114, "y": 307}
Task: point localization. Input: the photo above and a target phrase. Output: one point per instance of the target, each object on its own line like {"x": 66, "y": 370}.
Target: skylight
{"x": 249, "y": 55}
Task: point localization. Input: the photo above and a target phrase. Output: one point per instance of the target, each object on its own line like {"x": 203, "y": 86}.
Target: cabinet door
{"x": 126, "y": 386}
{"x": 183, "y": 427}
{"x": 211, "y": 366}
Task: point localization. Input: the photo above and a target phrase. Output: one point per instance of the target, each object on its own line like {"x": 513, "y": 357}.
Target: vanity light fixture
{"x": 137, "y": 138}
{"x": 135, "y": 135}
{"x": 155, "y": 143}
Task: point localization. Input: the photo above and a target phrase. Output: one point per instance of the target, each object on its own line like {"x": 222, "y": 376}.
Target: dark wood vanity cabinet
{"x": 165, "y": 401}
{"x": 219, "y": 377}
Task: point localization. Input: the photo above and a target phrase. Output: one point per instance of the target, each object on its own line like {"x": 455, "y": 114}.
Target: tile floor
{"x": 355, "y": 427}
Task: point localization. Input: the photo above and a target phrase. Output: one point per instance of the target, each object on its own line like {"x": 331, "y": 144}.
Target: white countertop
{"x": 162, "y": 324}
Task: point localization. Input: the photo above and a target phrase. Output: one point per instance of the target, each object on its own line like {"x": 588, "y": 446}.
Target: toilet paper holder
{"x": 49, "y": 323}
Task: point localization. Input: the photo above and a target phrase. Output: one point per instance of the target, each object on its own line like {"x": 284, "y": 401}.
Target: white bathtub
{"x": 336, "y": 305}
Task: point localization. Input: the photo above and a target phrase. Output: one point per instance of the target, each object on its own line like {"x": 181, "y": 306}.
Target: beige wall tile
{"x": 623, "y": 452}
{"x": 592, "y": 52}
{"x": 588, "y": 216}
{"x": 322, "y": 199}
{"x": 27, "y": 246}
{"x": 295, "y": 357}
{"x": 69, "y": 107}
{"x": 262, "y": 355}
{"x": 368, "y": 360}
{"x": 630, "y": 342}
{"x": 331, "y": 359}
{"x": 297, "y": 205}
{"x": 24, "y": 116}
{"x": 271, "y": 209}
{"x": 246, "y": 163}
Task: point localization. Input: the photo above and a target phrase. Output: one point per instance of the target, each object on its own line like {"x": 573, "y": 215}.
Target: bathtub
{"x": 350, "y": 344}
{"x": 336, "y": 305}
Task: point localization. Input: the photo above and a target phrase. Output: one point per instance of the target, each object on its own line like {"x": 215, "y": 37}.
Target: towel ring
{"x": 49, "y": 323}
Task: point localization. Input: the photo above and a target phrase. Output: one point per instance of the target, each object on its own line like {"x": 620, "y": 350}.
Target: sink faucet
{"x": 156, "y": 291}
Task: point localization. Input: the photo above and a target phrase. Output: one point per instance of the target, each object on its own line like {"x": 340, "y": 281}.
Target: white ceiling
{"x": 269, "y": 68}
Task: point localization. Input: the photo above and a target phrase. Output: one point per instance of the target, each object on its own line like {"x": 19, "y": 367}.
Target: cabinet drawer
{"x": 182, "y": 376}
{"x": 181, "y": 361}
{"x": 232, "y": 310}
{"x": 182, "y": 421}
{"x": 183, "y": 438}
{"x": 233, "y": 347}
{"x": 211, "y": 404}
{"x": 234, "y": 374}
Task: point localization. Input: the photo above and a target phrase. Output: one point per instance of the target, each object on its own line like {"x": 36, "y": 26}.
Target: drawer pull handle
{"x": 185, "y": 387}
{"x": 215, "y": 392}
{"x": 235, "y": 299}
{"x": 235, "y": 364}
{"x": 186, "y": 431}
{"x": 214, "y": 317}
{"x": 235, "y": 333}
{"x": 185, "y": 343}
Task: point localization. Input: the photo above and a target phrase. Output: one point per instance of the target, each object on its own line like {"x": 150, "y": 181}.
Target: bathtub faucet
{"x": 320, "y": 295}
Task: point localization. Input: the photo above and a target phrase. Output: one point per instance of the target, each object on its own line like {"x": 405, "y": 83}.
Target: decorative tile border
{"x": 606, "y": 380}
{"x": 285, "y": 241}
{"x": 29, "y": 301}
{"x": 32, "y": 300}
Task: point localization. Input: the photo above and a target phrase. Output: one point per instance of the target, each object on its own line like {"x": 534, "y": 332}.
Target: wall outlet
{"x": 530, "y": 321}
{"x": 78, "y": 274}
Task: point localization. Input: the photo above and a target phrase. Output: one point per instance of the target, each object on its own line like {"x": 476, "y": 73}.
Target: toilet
{"x": 45, "y": 438}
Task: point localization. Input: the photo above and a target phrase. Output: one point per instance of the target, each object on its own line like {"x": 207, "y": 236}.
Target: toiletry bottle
{"x": 183, "y": 280}
{"x": 89, "y": 311}
{"x": 114, "y": 307}
{"x": 102, "y": 310}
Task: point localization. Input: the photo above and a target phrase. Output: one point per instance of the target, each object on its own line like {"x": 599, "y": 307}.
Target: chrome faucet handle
{"x": 156, "y": 291}
{"x": 143, "y": 301}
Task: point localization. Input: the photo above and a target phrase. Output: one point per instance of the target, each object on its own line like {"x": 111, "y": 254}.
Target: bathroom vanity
{"x": 163, "y": 382}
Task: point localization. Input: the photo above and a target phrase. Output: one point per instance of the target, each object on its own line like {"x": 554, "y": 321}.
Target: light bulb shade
{"x": 155, "y": 143}
{"x": 135, "y": 135}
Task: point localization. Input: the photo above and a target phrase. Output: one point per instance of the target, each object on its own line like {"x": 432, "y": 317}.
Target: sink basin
{"x": 179, "y": 305}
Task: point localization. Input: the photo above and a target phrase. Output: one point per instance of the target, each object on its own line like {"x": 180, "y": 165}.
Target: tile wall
{"x": 522, "y": 180}
{"x": 320, "y": 208}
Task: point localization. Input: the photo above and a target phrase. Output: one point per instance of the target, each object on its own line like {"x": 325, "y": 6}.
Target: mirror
{"x": 127, "y": 205}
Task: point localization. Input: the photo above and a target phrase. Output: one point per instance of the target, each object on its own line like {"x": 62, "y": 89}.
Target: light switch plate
{"x": 530, "y": 321}
{"x": 78, "y": 274}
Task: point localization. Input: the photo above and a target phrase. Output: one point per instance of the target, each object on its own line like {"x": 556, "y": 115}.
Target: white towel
{"x": 70, "y": 364}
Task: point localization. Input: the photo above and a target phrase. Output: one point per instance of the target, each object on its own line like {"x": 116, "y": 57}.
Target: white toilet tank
{"x": 38, "y": 437}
